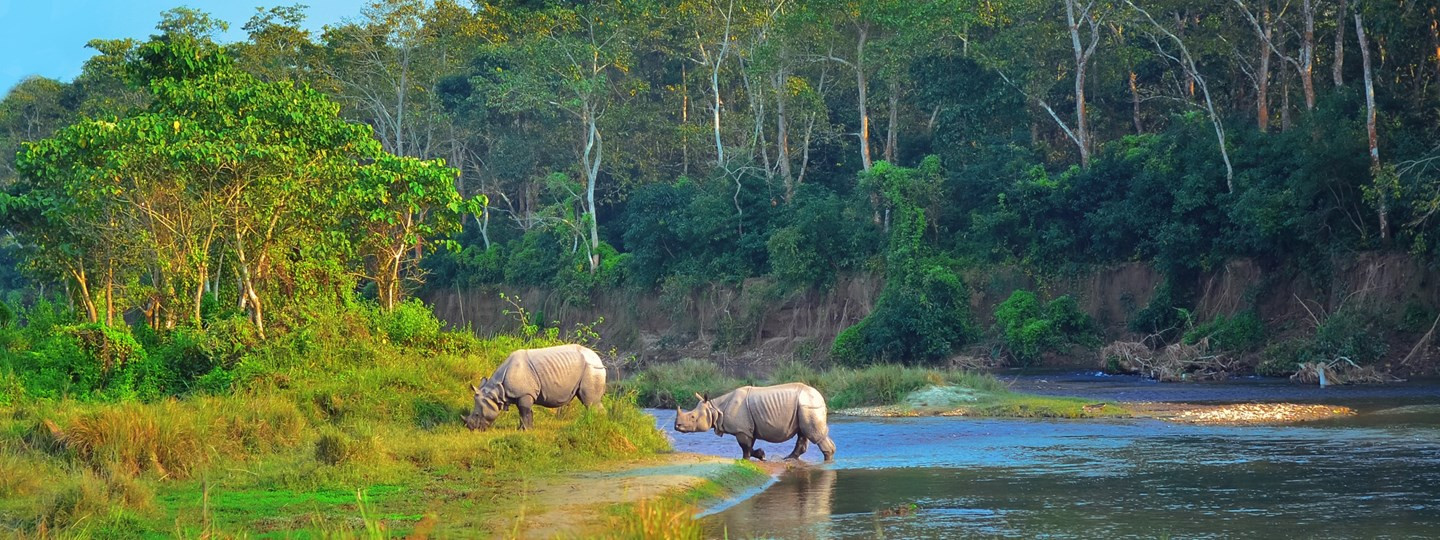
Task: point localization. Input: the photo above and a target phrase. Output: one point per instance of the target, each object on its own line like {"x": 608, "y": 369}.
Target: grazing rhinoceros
{"x": 769, "y": 413}
{"x": 549, "y": 377}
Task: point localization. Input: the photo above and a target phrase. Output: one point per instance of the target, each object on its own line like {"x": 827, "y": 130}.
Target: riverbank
{"x": 655, "y": 496}
{"x": 315, "y": 434}
{"x": 1190, "y": 413}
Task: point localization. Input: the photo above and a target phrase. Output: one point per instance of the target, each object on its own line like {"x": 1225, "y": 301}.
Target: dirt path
{"x": 573, "y": 505}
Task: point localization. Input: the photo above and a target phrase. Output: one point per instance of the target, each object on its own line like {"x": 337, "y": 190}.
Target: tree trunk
{"x": 1180, "y": 21}
{"x": 594, "y": 152}
{"x": 860, "y": 84}
{"x": 110, "y": 295}
{"x": 1135, "y": 105}
{"x": 1082, "y": 63}
{"x": 1338, "y": 71}
{"x": 247, "y": 286}
{"x": 715, "y": 106}
{"x": 1187, "y": 61}
{"x": 83, "y": 282}
{"x": 1262, "y": 77}
{"x": 684, "y": 120}
{"x": 805, "y": 149}
{"x": 1284, "y": 92}
{"x": 1382, "y": 204}
{"x": 1307, "y": 54}
{"x": 1435, "y": 39}
{"x": 894, "y": 120}
{"x": 782, "y": 133}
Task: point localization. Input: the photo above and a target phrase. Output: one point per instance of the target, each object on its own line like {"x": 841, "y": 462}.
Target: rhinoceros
{"x": 549, "y": 377}
{"x": 768, "y": 413}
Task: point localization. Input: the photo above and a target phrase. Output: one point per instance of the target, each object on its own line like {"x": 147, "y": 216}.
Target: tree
{"x": 279, "y": 47}
{"x": 573, "y": 59}
{"x": 1381, "y": 176}
{"x": 400, "y": 203}
{"x": 1083, "y": 24}
{"x": 30, "y": 111}
{"x": 221, "y": 163}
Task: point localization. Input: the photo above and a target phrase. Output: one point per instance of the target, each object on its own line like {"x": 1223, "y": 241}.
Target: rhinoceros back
{"x": 559, "y": 371}
{"x": 776, "y": 411}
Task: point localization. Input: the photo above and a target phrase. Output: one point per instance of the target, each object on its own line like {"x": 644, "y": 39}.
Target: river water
{"x": 1376, "y": 474}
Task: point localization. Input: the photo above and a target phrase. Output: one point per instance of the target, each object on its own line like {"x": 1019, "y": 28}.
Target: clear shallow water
{"x": 1374, "y": 475}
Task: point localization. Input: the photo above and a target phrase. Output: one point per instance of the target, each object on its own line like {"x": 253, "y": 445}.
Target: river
{"x": 1376, "y": 474}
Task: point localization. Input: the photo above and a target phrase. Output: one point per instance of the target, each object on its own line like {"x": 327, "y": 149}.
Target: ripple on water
{"x": 1087, "y": 479}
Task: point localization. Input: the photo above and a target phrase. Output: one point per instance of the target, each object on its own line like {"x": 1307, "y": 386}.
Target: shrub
{"x": 656, "y": 518}
{"x": 1349, "y": 333}
{"x": 1030, "y": 328}
{"x": 874, "y": 385}
{"x": 1241, "y": 332}
{"x": 922, "y": 315}
{"x": 410, "y": 323}
{"x": 336, "y": 446}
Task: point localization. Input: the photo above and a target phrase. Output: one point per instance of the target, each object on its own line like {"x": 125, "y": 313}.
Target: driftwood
{"x": 1422, "y": 344}
{"x": 1341, "y": 371}
{"x": 1174, "y": 362}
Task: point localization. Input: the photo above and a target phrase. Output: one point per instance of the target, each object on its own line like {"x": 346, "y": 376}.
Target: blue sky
{"x": 47, "y": 37}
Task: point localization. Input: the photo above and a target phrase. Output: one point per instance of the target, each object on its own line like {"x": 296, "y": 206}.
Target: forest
{"x": 661, "y": 146}
{"x": 215, "y": 253}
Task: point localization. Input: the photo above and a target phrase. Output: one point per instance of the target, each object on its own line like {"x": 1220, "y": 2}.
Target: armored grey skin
{"x": 768, "y": 413}
{"x": 549, "y": 377}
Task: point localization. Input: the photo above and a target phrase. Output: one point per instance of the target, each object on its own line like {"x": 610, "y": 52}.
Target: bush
{"x": 411, "y": 323}
{"x": 1349, "y": 333}
{"x": 1030, "y": 328}
{"x": 1242, "y": 332}
{"x": 921, "y": 317}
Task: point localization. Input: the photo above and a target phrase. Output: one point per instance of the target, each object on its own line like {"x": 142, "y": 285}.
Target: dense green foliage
{"x": 675, "y": 144}
{"x": 358, "y": 399}
{"x": 923, "y": 312}
{"x": 1029, "y": 327}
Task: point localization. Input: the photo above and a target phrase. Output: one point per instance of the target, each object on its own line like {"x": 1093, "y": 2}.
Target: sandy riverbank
{"x": 578, "y": 504}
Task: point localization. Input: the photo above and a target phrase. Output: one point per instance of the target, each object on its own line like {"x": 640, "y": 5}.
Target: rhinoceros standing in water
{"x": 549, "y": 377}
{"x": 768, "y": 413}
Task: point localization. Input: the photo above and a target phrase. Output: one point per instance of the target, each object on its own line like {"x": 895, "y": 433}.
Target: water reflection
{"x": 1374, "y": 475}
{"x": 801, "y": 502}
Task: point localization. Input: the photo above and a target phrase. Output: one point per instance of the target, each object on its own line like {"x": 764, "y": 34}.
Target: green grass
{"x": 671, "y": 516}
{"x": 331, "y": 430}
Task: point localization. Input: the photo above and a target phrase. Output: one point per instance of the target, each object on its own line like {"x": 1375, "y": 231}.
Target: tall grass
{"x": 344, "y": 400}
{"x": 675, "y": 384}
{"x": 659, "y": 518}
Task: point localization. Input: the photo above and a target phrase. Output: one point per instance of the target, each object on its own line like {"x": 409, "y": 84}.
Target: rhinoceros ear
{"x": 701, "y": 398}
{"x": 476, "y": 389}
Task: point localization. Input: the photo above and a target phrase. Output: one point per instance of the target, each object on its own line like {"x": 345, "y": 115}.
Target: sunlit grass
{"x": 312, "y": 420}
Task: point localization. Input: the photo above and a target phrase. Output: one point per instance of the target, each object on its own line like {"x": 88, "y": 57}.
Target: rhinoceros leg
{"x": 801, "y": 445}
{"x": 819, "y": 433}
{"x": 747, "y": 448}
{"x": 827, "y": 447}
{"x": 526, "y": 404}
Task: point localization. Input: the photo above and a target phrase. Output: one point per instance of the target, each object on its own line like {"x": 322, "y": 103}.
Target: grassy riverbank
{"x": 885, "y": 389}
{"x": 336, "y": 428}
